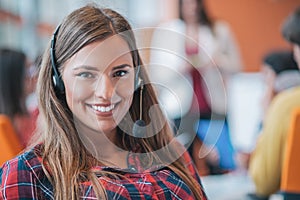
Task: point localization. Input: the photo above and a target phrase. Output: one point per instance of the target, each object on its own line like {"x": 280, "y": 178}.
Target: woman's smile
{"x": 103, "y": 110}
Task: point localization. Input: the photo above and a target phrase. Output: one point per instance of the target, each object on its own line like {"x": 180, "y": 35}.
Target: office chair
{"x": 10, "y": 144}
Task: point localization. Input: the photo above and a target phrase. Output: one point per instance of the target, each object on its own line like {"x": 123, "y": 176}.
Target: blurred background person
{"x": 281, "y": 72}
{"x": 192, "y": 57}
{"x": 13, "y": 92}
{"x": 268, "y": 156}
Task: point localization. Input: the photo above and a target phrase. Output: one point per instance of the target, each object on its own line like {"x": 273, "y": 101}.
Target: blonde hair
{"x": 66, "y": 161}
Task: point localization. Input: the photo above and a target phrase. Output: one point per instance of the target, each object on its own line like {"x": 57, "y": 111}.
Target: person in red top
{"x": 101, "y": 134}
{"x": 192, "y": 59}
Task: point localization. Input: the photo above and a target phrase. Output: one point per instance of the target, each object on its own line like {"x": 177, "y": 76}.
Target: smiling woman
{"x": 97, "y": 107}
{"x": 92, "y": 87}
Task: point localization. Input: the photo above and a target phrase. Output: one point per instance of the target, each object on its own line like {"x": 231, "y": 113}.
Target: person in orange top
{"x": 266, "y": 160}
{"x": 13, "y": 95}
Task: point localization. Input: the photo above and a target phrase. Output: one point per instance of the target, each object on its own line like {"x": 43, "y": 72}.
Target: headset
{"x": 138, "y": 81}
{"x": 57, "y": 81}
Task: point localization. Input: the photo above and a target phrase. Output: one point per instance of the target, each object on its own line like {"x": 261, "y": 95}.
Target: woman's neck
{"x": 102, "y": 146}
{"x": 192, "y": 33}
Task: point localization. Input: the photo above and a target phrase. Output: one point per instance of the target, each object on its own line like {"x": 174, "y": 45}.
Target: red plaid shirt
{"x": 23, "y": 178}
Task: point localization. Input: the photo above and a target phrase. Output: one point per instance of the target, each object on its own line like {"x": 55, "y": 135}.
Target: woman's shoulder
{"x": 174, "y": 25}
{"x": 285, "y": 101}
{"x": 222, "y": 27}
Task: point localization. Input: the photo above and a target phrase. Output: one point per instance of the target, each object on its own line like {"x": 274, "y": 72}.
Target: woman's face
{"x": 269, "y": 76}
{"x": 190, "y": 11}
{"x": 99, "y": 83}
{"x": 296, "y": 51}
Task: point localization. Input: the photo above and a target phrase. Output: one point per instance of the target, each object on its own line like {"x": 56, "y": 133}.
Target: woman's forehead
{"x": 104, "y": 53}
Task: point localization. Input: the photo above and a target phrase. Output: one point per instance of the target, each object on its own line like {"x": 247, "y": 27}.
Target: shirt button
{"x": 132, "y": 169}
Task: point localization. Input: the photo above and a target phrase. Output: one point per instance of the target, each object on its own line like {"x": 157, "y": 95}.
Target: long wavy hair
{"x": 66, "y": 161}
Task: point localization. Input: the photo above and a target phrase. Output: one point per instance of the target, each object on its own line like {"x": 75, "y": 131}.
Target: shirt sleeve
{"x": 18, "y": 181}
{"x": 266, "y": 160}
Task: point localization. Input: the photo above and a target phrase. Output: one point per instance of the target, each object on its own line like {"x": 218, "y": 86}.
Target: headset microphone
{"x": 139, "y": 126}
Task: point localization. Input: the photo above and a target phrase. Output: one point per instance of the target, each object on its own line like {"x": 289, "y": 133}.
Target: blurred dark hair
{"x": 291, "y": 27}
{"x": 280, "y": 61}
{"x": 203, "y": 17}
{"x": 12, "y": 76}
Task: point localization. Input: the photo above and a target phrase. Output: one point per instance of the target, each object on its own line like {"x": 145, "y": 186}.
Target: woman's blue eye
{"x": 85, "y": 75}
{"x": 120, "y": 73}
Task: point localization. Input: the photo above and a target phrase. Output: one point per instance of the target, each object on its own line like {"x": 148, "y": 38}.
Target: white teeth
{"x": 103, "y": 108}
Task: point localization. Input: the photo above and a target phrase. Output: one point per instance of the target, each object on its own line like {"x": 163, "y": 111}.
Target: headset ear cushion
{"x": 58, "y": 84}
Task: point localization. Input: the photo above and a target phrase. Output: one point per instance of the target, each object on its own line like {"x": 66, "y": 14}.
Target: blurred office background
{"x": 256, "y": 24}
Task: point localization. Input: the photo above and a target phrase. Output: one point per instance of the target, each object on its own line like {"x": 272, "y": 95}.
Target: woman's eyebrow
{"x": 86, "y": 67}
{"x": 121, "y": 66}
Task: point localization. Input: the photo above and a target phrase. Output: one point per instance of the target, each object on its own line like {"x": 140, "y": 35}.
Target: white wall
{"x": 245, "y": 93}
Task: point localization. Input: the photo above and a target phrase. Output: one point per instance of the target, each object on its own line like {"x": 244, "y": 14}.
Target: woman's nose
{"x": 104, "y": 88}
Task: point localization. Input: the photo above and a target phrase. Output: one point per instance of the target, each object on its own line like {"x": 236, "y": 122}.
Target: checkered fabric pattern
{"x": 23, "y": 178}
